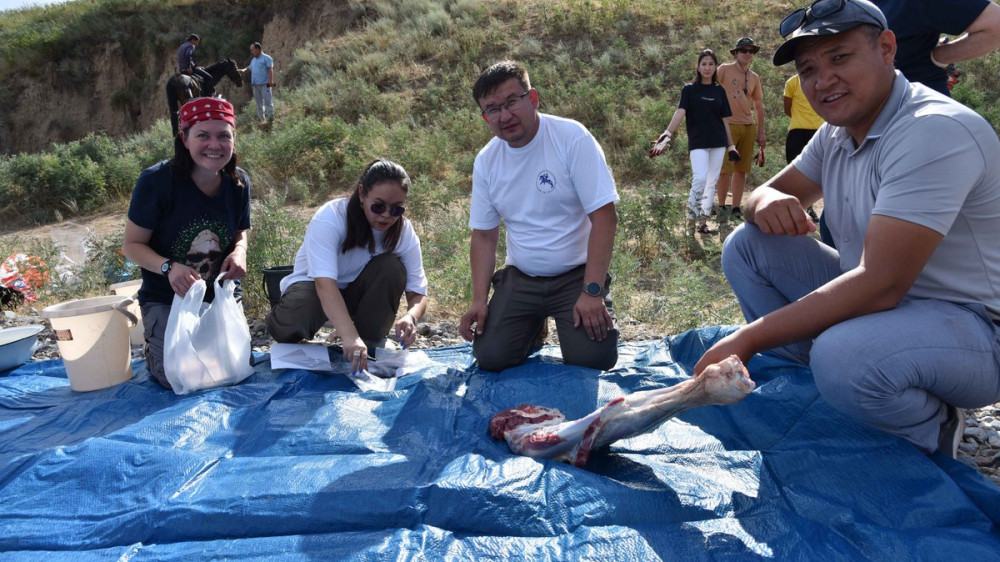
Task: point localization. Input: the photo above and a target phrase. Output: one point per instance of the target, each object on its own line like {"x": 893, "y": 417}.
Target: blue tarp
{"x": 295, "y": 465}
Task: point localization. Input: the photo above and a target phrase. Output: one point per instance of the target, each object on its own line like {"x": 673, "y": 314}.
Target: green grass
{"x": 395, "y": 81}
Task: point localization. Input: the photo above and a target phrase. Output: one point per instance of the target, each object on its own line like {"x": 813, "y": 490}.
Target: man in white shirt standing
{"x": 547, "y": 179}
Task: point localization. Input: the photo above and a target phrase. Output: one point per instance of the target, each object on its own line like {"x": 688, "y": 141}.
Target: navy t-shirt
{"x": 188, "y": 226}
{"x": 705, "y": 105}
{"x": 918, "y": 25}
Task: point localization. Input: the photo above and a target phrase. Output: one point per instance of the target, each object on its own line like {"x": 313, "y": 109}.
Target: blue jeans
{"x": 265, "y": 104}
{"x": 897, "y": 369}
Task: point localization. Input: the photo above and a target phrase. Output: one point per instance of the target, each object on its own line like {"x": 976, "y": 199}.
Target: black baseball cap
{"x": 825, "y": 17}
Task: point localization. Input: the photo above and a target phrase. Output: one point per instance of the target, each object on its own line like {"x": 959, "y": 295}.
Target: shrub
{"x": 275, "y": 236}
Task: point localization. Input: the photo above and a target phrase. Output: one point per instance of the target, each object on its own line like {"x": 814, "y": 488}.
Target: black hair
{"x": 359, "y": 230}
{"x": 872, "y": 31}
{"x": 256, "y": 45}
{"x": 496, "y": 74}
{"x": 715, "y": 75}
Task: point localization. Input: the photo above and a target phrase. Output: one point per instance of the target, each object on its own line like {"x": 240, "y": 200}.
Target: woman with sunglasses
{"x": 705, "y": 108}
{"x": 359, "y": 256}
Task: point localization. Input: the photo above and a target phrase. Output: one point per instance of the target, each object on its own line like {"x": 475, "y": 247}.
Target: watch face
{"x": 165, "y": 267}
{"x": 593, "y": 289}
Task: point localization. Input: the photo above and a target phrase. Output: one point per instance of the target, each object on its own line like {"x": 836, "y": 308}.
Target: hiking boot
{"x": 952, "y": 431}
{"x": 737, "y": 214}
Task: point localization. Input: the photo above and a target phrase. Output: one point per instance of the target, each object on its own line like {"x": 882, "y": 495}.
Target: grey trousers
{"x": 372, "y": 301}
{"x": 521, "y": 304}
{"x": 896, "y": 369}
{"x": 265, "y": 104}
{"x": 154, "y": 321}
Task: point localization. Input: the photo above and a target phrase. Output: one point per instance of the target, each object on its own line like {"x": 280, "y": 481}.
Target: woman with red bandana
{"x": 188, "y": 219}
{"x": 359, "y": 256}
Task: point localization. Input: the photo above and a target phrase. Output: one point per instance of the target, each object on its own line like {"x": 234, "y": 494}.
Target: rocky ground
{"x": 980, "y": 447}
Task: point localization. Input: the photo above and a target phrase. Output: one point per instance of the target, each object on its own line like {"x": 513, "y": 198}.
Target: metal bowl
{"x": 17, "y": 345}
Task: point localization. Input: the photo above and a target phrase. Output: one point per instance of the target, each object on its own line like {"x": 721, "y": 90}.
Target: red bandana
{"x": 207, "y": 109}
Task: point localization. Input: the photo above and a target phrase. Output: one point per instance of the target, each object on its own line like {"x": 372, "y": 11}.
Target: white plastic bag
{"x": 205, "y": 350}
{"x": 398, "y": 362}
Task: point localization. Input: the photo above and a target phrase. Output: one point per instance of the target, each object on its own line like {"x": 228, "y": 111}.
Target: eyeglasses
{"x": 751, "y": 51}
{"x": 493, "y": 111}
{"x": 394, "y": 210}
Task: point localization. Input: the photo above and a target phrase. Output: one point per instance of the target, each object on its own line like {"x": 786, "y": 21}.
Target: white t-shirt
{"x": 320, "y": 255}
{"x": 543, "y": 191}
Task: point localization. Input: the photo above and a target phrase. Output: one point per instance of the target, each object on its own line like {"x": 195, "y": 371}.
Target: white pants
{"x": 706, "y": 163}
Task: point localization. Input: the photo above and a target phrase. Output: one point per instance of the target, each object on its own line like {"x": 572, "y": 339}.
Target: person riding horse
{"x": 186, "y": 64}
{"x": 181, "y": 87}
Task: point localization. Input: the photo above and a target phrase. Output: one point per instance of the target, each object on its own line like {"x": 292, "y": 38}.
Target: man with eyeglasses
{"x": 547, "y": 179}
{"x": 901, "y": 323}
{"x": 743, "y": 87}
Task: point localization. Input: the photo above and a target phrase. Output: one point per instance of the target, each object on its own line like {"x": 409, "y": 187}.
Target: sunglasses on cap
{"x": 394, "y": 210}
{"x": 818, "y": 10}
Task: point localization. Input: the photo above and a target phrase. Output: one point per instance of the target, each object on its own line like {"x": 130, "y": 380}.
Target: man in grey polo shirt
{"x": 899, "y": 327}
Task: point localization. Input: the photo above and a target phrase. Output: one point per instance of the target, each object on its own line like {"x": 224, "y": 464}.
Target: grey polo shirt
{"x": 928, "y": 160}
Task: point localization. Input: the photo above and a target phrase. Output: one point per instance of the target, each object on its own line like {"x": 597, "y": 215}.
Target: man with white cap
{"x": 900, "y": 323}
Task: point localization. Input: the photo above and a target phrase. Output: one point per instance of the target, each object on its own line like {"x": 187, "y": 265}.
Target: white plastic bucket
{"x": 92, "y": 335}
{"x": 129, "y": 289}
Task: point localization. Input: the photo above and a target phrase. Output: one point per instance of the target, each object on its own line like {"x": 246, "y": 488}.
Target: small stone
{"x": 968, "y": 461}
{"x": 984, "y": 461}
{"x": 977, "y": 433}
{"x": 994, "y": 440}
{"x": 968, "y": 448}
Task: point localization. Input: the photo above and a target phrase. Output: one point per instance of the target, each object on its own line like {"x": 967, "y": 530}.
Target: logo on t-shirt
{"x": 545, "y": 182}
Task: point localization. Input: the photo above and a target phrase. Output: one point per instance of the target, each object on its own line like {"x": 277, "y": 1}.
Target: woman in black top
{"x": 704, "y": 104}
{"x": 189, "y": 219}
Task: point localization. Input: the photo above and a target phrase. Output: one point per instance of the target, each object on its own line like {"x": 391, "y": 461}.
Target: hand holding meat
{"x": 542, "y": 432}
{"x": 660, "y": 145}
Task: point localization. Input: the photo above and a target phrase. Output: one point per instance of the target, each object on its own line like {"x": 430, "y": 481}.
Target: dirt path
{"x": 71, "y": 236}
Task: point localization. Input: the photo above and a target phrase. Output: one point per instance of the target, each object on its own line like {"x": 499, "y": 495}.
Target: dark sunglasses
{"x": 394, "y": 211}
{"x": 818, "y": 9}
{"x": 751, "y": 51}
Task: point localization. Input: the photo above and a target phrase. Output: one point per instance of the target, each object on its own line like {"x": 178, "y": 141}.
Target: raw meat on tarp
{"x": 543, "y": 432}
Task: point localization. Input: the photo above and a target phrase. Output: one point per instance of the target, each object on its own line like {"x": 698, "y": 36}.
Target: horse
{"x": 183, "y": 87}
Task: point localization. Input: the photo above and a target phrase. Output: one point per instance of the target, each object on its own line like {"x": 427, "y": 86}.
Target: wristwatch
{"x": 165, "y": 268}
{"x": 592, "y": 289}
